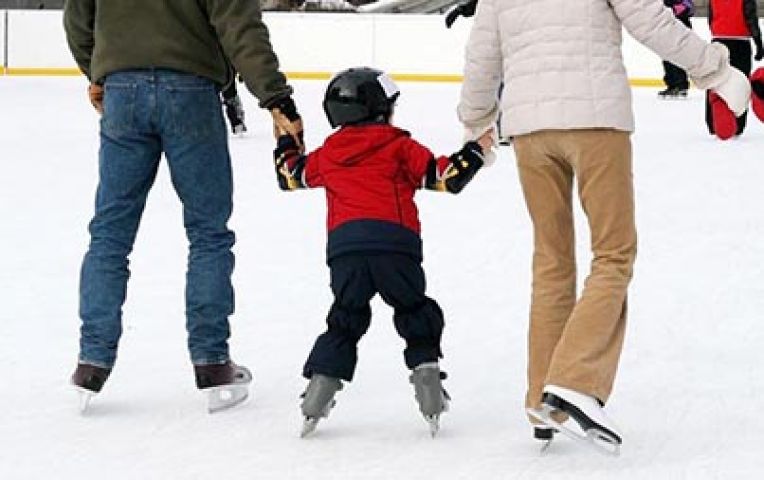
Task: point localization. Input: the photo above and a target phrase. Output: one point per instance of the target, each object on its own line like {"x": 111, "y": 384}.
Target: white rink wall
{"x": 314, "y": 43}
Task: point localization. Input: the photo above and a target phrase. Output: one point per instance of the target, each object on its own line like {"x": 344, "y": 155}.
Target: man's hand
{"x": 466, "y": 9}
{"x": 286, "y": 121}
{"x": 95, "y": 93}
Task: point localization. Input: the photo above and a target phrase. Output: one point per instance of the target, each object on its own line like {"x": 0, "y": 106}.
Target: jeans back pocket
{"x": 119, "y": 108}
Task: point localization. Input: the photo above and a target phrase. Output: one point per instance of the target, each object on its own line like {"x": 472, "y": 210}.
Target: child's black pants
{"x": 355, "y": 279}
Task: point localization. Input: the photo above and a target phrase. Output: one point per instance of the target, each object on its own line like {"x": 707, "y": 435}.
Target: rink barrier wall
{"x": 410, "y": 47}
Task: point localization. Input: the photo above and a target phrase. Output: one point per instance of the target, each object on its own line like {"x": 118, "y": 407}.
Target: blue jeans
{"x": 147, "y": 112}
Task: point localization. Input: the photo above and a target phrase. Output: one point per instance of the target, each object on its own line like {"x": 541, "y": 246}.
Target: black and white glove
{"x": 290, "y": 164}
{"x": 455, "y": 172}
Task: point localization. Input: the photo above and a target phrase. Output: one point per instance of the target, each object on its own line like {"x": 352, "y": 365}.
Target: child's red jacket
{"x": 370, "y": 173}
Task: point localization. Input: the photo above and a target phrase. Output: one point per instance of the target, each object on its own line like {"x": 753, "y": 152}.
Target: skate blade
{"x": 85, "y": 396}
{"x": 308, "y": 426}
{"x": 225, "y": 397}
{"x": 593, "y": 438}
{"x": 434, "y": 422}
{"x": 545, "y": 447}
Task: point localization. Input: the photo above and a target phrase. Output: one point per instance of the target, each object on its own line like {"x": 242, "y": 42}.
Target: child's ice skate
{"x": 88, "y": 380}
{"x": 596, "y": 429}
{"x": 429, "y": 393}
{"x": 226, "y": 384}
{"x": 318, "y": 400}
{"x": 673, "y": 93}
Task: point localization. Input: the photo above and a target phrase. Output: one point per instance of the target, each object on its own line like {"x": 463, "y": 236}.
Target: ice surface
{"x": 688, "y": 398}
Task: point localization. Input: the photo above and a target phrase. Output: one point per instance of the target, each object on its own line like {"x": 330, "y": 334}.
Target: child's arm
{"x": 448, "y": 174}
{"x": 452, "y": 174}
{"x": 293, "y": 170}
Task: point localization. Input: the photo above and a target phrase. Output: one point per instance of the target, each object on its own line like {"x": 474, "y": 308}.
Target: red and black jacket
{"x": 734, "y": 19}
{"x": 370, "y": 174}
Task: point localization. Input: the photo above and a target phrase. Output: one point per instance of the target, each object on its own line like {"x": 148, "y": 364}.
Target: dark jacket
{"x": 192, "y": 36}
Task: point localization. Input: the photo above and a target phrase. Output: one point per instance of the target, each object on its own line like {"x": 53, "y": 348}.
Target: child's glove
{"x": 95, "y": 94}
{"x": 479, "y": 134}
{"x": 453, "y": 174}
{"x": 466, "y": 9}
{"x": 289, "y": 164}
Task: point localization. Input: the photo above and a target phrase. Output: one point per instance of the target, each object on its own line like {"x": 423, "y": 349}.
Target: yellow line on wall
{"x": 39, "y": 72}
{"x": 401, "y": 77}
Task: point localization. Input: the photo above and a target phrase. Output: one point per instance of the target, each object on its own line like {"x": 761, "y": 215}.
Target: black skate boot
{"x": 226, "y": 384}
{"x": 673, "y": 93}
{"x": 596, "y": 429}
{"x": 318, "y": 400}
{"x": 430, "y": 394}
{"x": 234, "y": 110}
{"x": 88, "y": 380}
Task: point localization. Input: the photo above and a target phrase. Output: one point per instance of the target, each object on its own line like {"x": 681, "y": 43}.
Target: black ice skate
{"x": 226, "y": 384}
{"x": 673, "y": 93}
{"x": 318, "y": 400}
{"x": 88, "y": 380}
{"x": 429, "y": 393}
{"x": 235, "y": 113}
{"x": 596, "y": 429}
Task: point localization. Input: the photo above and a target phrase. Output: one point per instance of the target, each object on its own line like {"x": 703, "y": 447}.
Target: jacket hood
{"x": 352, "y": 143}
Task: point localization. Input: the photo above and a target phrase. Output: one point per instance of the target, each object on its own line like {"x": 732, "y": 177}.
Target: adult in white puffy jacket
{"x": 567, "y": 105}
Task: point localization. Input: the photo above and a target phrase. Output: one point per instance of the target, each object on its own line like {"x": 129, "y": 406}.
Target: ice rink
{"x": 689, "y": 395}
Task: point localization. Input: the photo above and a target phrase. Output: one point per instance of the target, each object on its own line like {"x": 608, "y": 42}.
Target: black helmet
{"x": 359, "y": 95}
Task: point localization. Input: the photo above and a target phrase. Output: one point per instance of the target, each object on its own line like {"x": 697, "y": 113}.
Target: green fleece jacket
{"x": 193, "y": 36}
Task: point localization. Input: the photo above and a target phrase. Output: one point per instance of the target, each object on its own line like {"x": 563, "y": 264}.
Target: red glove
{"x": 724, "y": 120}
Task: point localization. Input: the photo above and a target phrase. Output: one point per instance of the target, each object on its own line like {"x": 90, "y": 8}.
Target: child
{"x": 371, "y": 170}
{"x": 734, "y": 24}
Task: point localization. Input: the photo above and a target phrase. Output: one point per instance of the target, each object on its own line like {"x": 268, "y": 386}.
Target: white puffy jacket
{"x": 561, "y": 62}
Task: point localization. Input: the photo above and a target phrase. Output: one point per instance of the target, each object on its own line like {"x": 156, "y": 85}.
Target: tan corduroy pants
{"x": 576, "y": 343}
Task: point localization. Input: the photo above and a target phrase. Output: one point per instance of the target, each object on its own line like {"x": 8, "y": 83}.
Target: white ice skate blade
{"x": 593, "y": 438}
{"x": 545, "y": 447}
{"x": 434, "y": 422}
{"x": 226, "y": 396}
{"x": 308, "y": 426}
{"x": 85, "y": 396}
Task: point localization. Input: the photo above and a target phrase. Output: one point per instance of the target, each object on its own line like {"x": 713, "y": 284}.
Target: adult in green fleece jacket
{"x": 156, "y": 68}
